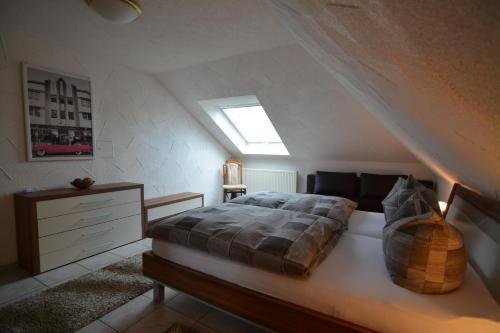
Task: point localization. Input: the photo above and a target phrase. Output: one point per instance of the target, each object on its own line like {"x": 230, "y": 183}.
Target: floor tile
{"x": 12, "y": 275}
{"x": 203, "y": 329}
{"x": 19, "y": 289}
{"x": 128, "y": 250}
{"x": 129, "y": 313}
{"x": 24, "y": 296}
{"x": 188, "y": 306}
{"x": 61, "y": 274}
{"x": 146, "y": 242}
{"x": 223, "y": 322}
{"x": 99, "y": 261}
{"x": 258, "y": 329}
{"x": 159, "y": 321}
{"x": 97, "y": 327}
{"x": 169, "y": 294}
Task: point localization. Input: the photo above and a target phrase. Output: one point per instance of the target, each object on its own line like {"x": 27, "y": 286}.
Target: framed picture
{"x": 58, "y": 115}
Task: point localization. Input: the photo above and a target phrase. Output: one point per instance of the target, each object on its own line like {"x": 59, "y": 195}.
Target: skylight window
{"x": 253, "y": 124}
{"x": 245, "y": 122}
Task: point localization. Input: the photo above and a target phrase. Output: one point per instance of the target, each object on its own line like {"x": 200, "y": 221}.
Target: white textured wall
{"x": 157, "y": 142}
{"x": 305, "y": 167}
{"x": 322, "y": 125}
{"x": 314, "y": 115}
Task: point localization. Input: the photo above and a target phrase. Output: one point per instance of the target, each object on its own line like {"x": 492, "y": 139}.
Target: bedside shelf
{"x": 161, "y": 207}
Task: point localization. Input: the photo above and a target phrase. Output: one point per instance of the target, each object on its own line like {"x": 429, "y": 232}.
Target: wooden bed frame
{"x": 263, "y": 309}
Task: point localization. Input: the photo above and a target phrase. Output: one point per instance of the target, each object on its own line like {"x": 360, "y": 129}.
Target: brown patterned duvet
{"x": 283, "y": 239}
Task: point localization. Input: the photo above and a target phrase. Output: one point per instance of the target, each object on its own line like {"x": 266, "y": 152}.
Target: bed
{"x": 350, "y": 291}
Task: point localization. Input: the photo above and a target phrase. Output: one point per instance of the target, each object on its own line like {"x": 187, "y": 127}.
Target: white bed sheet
{"x": 366, "y": 223}
{"x": 352, "y": 283}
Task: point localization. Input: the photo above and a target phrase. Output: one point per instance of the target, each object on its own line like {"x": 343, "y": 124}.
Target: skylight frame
{"x": 229, "y": 133}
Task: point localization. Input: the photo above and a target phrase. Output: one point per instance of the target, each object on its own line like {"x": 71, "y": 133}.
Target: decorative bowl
{"x": 80, "y": 184}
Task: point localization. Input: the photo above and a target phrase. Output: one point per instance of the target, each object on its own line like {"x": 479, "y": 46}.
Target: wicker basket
{"x": 425, "y": 254}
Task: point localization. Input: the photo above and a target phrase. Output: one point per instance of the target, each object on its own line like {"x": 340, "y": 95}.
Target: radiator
{"x": 270, "y": 180}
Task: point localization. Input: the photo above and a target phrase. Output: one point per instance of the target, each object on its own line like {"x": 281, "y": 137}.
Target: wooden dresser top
{"x": 73, "y": 192}
{"x": 170, "y": 199}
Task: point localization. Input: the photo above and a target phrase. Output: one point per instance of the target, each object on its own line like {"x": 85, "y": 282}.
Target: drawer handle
{"x": 94, "y": 219}
{"x": 91, "y": 234}
{"x": 100, "y": 247}
{"x": 98, "y": 202}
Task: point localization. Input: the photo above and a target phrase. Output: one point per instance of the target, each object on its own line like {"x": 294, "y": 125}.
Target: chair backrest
{"x": 232, "y": 172}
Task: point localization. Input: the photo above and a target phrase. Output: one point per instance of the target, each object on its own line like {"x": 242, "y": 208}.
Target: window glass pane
{"x": 253, "y": 124}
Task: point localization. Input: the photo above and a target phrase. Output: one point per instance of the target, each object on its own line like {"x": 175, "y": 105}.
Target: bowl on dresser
{"x": 82, "y": 184}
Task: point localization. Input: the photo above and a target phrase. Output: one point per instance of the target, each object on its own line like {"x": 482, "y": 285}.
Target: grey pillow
{"x": 401, "y": 192}
{"x": 262, "y": 199}
{"x": 415, "y": 205}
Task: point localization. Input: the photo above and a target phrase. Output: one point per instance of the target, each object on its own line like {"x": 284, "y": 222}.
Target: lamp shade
{"x": 443, "y": 205}
{"x": 116, "y": 11}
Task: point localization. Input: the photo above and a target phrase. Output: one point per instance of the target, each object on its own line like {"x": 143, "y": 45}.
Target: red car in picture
{"x": 42, "y": 149}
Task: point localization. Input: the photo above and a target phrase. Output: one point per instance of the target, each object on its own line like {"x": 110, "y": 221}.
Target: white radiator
{"x": 270, "y": 180}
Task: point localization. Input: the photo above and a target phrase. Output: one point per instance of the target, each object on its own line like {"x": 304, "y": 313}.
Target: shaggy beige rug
{"x": 76, "y": 303}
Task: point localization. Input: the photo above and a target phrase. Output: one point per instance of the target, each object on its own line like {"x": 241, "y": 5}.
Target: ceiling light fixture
{"x": 116, "y": 11}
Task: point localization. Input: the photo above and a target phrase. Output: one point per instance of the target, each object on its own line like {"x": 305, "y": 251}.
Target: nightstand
{"x": 161, "y": 207}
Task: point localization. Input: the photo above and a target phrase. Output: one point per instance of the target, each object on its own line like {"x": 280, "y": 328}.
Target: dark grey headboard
{"x": 372, "y": 203}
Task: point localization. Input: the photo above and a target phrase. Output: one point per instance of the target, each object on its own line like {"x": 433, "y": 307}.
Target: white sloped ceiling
{"x": 429, "y": 70}
{"x": 170, "y": 34}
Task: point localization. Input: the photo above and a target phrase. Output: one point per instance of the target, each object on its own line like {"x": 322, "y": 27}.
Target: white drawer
{"x": 82, "y": 203}
{"x": 56, "y": 224}
{"x": 172, "y": 209}
{"x": 109, "y": 231}
{"x": 61, "y": 249}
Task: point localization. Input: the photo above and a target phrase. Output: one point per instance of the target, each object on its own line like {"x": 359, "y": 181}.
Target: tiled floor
{"x": 140, "y": 314}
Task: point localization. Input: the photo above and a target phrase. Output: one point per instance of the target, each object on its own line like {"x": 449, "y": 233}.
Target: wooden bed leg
{"x": 158, "y": 292}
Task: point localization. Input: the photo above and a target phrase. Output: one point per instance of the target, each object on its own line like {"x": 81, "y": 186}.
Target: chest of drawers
{"x": 57, "y": 227}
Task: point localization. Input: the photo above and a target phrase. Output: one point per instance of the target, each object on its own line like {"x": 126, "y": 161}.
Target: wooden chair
{"x": 233, "y": 179}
